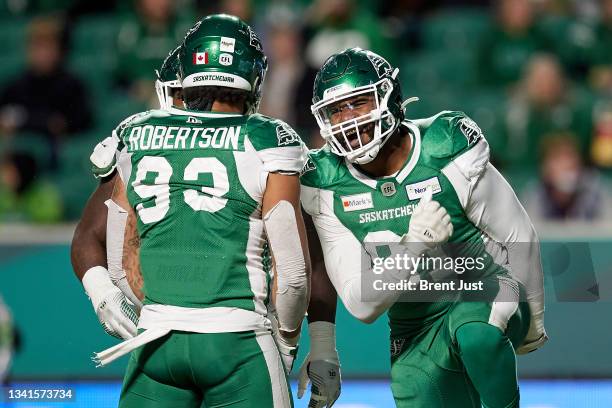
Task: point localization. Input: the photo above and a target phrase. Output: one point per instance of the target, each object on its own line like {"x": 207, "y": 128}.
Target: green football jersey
{"x": 378, "y": 210}
{"x": 196, "y": 181}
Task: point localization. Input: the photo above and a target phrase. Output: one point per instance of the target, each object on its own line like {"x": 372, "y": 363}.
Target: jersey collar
{"x": 415, "y": 136}
{"x": 185, "y": 112}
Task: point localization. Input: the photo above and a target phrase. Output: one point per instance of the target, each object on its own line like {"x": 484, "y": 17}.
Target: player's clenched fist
{"x": 429, "y": 224}
{"x": 114, "y": 312}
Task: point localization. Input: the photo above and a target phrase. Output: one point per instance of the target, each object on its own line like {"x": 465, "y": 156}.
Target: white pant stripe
{"x": 280, "y": 388}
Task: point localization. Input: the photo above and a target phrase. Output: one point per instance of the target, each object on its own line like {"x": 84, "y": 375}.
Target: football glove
{"x": 429, "y": 225}
{"x": 287, "y": 347}
{"x": 115, "y": 313}
{"x": 103, "y": 157}
{"x": 536, "y": 336}
{"x": 321, "y": 367}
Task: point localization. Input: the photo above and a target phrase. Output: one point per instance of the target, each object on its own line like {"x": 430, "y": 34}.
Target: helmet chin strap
{"x": 366, "y": 157}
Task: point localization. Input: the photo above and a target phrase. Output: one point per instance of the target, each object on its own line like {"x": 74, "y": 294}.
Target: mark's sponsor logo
{"x": 357, "y": 202}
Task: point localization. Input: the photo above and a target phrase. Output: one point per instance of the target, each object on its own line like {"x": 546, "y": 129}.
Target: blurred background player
{"x": 7, "y": 341}
{"x": 375, "y": 159}
{"x": 206, "y": 283}
{"x": 142, "y": 41}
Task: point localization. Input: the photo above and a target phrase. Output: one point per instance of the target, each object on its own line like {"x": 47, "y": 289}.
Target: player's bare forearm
{"x": 323, "y": 297}
{"x": 131, "y": 242}
{"x": 131, "y": 256}
{"x": 88, "y": 248}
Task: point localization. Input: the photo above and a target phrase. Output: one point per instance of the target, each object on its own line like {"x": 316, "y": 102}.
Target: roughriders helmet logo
{"x": 381, "y": 66}
{"x": 254, "y": 40}
{"x": 470, "y": 130}
{"x": 308, "y": 166}
{"x": 286, "y": 135}
{"x": 396, "y": 346}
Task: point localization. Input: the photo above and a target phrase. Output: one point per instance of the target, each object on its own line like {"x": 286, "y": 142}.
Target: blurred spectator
{"x": 6, "y": 341}
{"x": 46, "y": 98}
{"x": 544, "y": 103}
{"x": 286, "y": 68}
{"x": 601, "y": 72}
{"x": 239, "y": 8}
{"x": 330, "y": 27}
{"x": 601, "y": 146}
{"x": 339, "y": 24}
{"x": 510, "y": 43}
{"x": 566, "y": 189}
{"x": 143, "y": 42}
{"x": 23, "y": 197}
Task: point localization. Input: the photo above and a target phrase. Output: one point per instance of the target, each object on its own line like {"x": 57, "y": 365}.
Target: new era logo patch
{"x": 191, "y": 119}
{"x": 357, "y": 202}
{"x": 416, "y": 190}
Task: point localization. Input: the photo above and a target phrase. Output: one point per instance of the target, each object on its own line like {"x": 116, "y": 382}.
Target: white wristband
{"x": 97, "y": 283}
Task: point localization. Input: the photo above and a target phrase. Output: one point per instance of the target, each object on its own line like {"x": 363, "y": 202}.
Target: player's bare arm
{"x": 89, "y": 260}
{"x": 88, "y": 247}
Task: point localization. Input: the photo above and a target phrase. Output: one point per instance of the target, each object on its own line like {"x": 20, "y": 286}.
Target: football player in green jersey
{"x": 383, "y": 179}
{"x": 167, "y": 85}
{"x": 90, "y": 249}
{"x": 209, "y": 189}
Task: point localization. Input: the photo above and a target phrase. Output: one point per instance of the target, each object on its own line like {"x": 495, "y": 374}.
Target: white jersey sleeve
{"x": 342, "y": 253}
{"x": 491, "y": 204}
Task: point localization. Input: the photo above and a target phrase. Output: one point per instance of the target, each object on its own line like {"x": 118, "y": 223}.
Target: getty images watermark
{"x": 409, "y": 265}
{"x": 486, "y": 271}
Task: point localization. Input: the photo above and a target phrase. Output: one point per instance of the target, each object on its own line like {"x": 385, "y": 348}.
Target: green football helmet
{"x": 222, "y": 50}
{"x": 167, "y": 79}
{"x": 348, "y": 75}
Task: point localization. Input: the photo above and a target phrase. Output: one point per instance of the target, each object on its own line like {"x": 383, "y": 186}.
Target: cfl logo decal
{"x": 226, "y": 59}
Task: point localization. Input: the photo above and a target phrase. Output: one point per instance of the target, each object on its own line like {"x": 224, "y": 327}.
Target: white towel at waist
{"x": 159, "y": 320}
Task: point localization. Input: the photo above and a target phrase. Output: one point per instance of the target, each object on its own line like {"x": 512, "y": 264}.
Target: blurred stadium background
{"x": 536, "y": 75}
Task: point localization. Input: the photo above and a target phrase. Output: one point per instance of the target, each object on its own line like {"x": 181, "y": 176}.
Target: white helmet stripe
{"x": 216, "y": 79}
